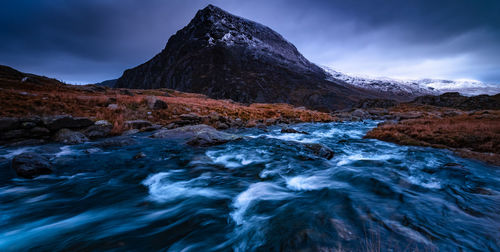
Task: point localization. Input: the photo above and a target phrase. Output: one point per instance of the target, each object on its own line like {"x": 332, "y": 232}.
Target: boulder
{"x": 64, "y": 121}
{"x": 155, "y": 103}
{"x": 291, "y": 130}
{"x": 30, "y": 165}
{"x": 359, "y": 113}
{"x": 113, "y": 106}
{"x": 221, "y": 126}
{"x": 100, "y": 129}
{"x": 318, "y": 150}
{"x": 189, "y": 119}
{"x": 137, "y": 124}
{"x": 197, "y": 135}
{"x": 68, "y": 136}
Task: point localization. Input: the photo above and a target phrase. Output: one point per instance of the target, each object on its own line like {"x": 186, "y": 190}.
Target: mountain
{"x": 408, "y": 89}
{"x": 107, "y": 83}
{"x": 229, "y": 57}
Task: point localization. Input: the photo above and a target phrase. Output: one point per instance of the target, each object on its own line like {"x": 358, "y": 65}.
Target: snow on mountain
{"x": 415, "y": 88}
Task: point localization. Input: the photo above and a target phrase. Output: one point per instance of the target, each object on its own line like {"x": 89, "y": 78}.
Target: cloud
{"x": 93, "y": 40}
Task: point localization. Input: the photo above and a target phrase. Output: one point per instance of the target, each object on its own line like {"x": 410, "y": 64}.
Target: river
{"x": 257, "y": 194}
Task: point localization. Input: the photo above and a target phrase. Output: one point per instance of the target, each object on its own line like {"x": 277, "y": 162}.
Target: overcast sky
{"x": 86, "y": 41}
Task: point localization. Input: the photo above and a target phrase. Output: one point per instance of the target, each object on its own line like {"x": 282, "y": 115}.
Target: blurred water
{"x": 258, "y": 194}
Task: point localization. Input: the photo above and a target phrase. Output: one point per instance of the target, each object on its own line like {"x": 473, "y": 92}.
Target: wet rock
{"x": 319, "y": 150}
{"x": 140, "y": 155}
{"x": 137, "y": 124}
{"x": 251, "y": 124}
{"x": 92, "y": 150}
{"x": 100, "y": 129}
{"x": 270, "y": 121}
{"x": 221, "y": 126}
{"x": 116, "y": 142}
{"x": 236, "y": 123}
{"x": 130, "y": 132}
{"x": 64, "y": 121}
{"x": 30, "y": 165}
{"x": 292, "y": 130}
{"x": 8, "y": 123}
{"x": 151, "y": 128}
{"x": 155, "y": 103}
{"x": 68, "y": 136}
{"x": 197, "y": 135}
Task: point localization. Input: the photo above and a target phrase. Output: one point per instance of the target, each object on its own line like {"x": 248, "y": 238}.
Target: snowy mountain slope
{"x": 414, "y": 88}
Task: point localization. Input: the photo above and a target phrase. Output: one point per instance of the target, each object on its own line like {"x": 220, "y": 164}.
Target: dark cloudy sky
{"x": 81, "y": 41}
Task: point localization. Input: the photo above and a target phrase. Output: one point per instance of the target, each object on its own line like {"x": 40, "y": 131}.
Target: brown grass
{"x": 475, "y": 135}
{"x": 43, "y": 96}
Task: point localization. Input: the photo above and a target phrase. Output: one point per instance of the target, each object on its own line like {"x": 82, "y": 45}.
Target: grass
{"x": 474, "y": 134}
{"x": 42, "y": 96}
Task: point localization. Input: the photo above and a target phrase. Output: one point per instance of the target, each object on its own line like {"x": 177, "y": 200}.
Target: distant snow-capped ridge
{"x": 415, "y": 87}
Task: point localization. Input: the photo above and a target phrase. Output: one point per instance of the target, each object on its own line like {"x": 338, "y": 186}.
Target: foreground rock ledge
{"x": 197, "y": 135}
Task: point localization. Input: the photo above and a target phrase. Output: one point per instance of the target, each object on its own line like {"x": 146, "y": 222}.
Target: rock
{"x": 68, "y": 136}
{"x": 30, "y": 165}
{"x": 8, "y": 123}
{"x": 137, "y": 124}
{"x": 221, "y": 126}
{"x": 64, "y": 121}
{"x": 237, "y": 123}
{"x": 189, "y": 119}
{"x": 155, "y": 103}
{"x": 197, "y": 135}
{"x": 14, "y": 134}
{"x": 116, "y": 142}
{"x": 360, "y": 114}
{"x": 100, "y": 129}
{"x": 113, "y": 106}
{"x": 291, "y": 130}
{"x": 130, "y": 132}
{"x": 28, "y": 125}
{"x": 251, "y": 124}
{"x": 39, "y": 131}
{"x": 261, "y": 126}
{"x": 140, "y": 155}
{"x": 270, "y": 121}
{"x": 92, "y": 150}
{"x": 320, "y": 150}
{"x": 151, "y": 128}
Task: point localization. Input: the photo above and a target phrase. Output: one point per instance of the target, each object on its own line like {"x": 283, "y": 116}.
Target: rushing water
{"x": 259, "y": 193}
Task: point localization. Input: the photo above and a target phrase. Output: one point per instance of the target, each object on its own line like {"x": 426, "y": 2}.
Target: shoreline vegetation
{"x": 32, "y": 103}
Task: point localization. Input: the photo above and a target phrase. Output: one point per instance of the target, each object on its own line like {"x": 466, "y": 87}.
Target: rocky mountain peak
{"x": 213, "y": 26}
{"x": 225, "y": 56}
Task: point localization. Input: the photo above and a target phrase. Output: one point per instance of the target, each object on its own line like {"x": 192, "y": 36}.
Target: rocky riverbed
{"x": 246, "y": 189}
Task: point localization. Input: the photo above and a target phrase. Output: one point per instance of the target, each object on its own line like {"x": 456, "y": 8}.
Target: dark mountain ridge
{"x": 229, "y": 57}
